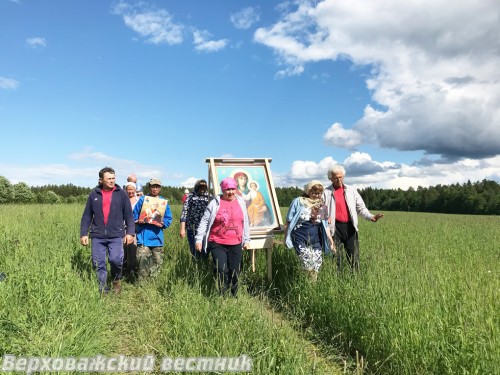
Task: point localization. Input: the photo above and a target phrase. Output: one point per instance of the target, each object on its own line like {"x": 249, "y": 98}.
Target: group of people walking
{"x": 112, "y": 218}
{"x": 323, "y": 220}
{"x": 319, "y": 222}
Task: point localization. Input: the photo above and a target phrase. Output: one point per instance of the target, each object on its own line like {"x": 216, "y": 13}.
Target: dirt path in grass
{"x": 135, "y": 312}
{"x": 325, "y": 361}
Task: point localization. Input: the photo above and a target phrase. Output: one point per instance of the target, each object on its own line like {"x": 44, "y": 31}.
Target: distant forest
{"x": 476, "y": 198}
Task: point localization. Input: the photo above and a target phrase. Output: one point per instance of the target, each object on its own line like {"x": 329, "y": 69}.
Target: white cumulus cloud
{"x": 362, "y": 171}
{"x": 337, "y": 136}
{"x": 245, "y": 18}
{"x": 155, "y": 25}
{"x": 8, "y": 83}
{"x": 36, "y": 42}
{"x": 202, "y": 41}
{"x": 435, "y": 76}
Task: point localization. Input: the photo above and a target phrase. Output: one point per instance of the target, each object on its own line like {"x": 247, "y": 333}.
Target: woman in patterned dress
{"x": 192, "y": 212}
{"x": 306, "y": 228}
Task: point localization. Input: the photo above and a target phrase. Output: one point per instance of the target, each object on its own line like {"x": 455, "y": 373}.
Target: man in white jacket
{"x": 344, "y": 204}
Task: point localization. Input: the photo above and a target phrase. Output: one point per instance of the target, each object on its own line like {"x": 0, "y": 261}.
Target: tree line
{"x": 68, "y": 193}
{"x": 476, "y": 198}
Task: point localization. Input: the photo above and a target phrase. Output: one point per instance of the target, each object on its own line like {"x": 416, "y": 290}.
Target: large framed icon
{"x": 255, "y": 186}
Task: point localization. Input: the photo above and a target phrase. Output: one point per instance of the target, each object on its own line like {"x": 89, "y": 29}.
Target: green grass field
{"x": 425, "y": 302}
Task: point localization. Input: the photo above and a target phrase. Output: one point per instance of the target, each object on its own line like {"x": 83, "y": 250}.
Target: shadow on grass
{"x": 81, "y": 262}
{"x": 305, "y": 303}
{"x": 200, "y": 274}
{"x": 197, "y": 274}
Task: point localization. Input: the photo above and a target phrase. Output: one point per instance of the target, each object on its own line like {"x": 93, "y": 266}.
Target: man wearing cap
{"x": 225, "y": 231}
{"x": 108, "y": 217}
{"x": 150, "y": 239}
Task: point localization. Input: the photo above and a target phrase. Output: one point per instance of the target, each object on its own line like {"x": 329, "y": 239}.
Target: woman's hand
{"x": 197, "y": 246}
{"x": 332, "y": 247}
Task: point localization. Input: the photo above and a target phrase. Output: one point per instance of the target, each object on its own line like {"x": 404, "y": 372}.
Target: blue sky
{"x": 402, "y": 93}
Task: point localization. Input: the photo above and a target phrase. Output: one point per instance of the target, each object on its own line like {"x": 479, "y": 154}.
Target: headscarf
{"x": 311, "y": 184}
{"x": 198, "y": 184}
{"x": 130, "y": 184}
{"x": 228, "y": 183}
{"x": 308, "y": 202}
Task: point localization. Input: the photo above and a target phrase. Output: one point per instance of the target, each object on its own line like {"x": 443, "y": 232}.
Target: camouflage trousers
{"x": 149, "y": 261}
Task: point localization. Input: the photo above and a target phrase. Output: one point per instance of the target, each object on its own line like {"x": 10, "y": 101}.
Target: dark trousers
{"x": 227, "y": 260}
{"x": 347, "y": 236}
{"x": 191, "y": 240}
{"x": 130, "y": 257}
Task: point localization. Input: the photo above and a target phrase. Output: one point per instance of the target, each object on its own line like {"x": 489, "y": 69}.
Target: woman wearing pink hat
{"x": 226, "y": 230}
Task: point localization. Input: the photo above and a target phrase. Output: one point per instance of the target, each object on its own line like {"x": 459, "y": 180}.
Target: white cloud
{"x": 435, "y": 75}
{"x": 122, "y": 167}
{"x": 361, "y": 164}
{"x": 304, "y": 171}
{"x": 293, "y": 70}
{"x": 202, "y": 42}
{"x": 81, "y": 169}
{"x": 36, "y": 42}
{"x": 362, "y": 171}
{"x": 337, "y": 136}
{"x": 245, "y": 18}
{"x": 189, "y": 182}
{"x": 156, "y": 26}
{"x": 8, "y": 83}
{"x": 49, "y": 174}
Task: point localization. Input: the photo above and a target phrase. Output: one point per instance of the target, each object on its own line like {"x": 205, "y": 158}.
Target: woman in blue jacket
{"x": 306, "y": 228}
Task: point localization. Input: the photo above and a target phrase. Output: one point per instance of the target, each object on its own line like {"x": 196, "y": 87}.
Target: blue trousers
{"x": 113, "y": 249}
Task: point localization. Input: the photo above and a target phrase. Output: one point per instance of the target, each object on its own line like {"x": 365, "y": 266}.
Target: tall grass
{"x": 50, "y": 305}
{"x": 425, "y": 302}
{"x": 46, "y": 308}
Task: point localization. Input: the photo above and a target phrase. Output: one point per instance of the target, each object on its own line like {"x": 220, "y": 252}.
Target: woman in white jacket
{"x": 226, "y": 230}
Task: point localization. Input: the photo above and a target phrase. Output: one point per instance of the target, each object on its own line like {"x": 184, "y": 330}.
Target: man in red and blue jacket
{"x": 108, "y": 217}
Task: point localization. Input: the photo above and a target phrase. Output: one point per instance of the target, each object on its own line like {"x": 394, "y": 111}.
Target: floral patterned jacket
{"x": 193, "y": 210}
{"x": 298, "y": 213}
